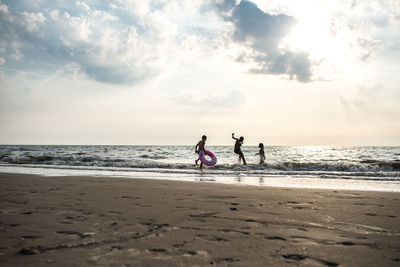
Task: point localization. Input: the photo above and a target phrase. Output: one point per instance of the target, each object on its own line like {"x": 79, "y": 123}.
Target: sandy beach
{"x": 85, "y": 221}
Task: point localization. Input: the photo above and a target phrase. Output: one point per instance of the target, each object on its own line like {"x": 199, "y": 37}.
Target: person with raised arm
{"x": 238, "y": 150}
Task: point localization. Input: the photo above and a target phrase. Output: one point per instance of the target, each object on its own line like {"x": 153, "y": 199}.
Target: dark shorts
{"x": 238, "y": 151}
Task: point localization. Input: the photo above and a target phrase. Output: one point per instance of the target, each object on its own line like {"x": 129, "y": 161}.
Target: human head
{"x": 204, "y": 138}
{"x": 241, "y": 138}
{"x": 261, "y": 145}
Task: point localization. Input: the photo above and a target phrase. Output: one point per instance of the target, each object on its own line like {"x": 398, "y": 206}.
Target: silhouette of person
{"x": 238, "y": 150}
{"x": 200, "y": 147}
{"x": 261, "y": 153}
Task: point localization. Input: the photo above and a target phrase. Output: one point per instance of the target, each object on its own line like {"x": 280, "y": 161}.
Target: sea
{"x": 374, "y": 168}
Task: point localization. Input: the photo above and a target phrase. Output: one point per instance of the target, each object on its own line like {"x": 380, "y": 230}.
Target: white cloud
{"x": 263, "y": 34}
{"x": 230, "y": 99}
{"x": 131, "y": 41}
{"x": 83, "y": 5}
{"x": 108, "y": 45}
{"x": 373, "y": 26}
{"x": 31, "y": 21}
{"x": 54, "y": 14}
{"x": 74, "y": 31}
{"x": 5, "y": 12}
{"x": 136, "y": 40}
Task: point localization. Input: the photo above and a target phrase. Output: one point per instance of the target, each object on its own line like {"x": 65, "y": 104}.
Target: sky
{"x": 127, "y": 72}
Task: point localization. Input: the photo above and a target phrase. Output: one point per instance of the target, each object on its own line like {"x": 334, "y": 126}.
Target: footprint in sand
{"x": 29, "y": 251}
{"x": 233, "y": 231}
{"x": 178, "y": 245}
{"x": 275, "y": 238}
{"x": 158, "y": 250}
{"x": 66, "y": 222}
{"x": 26, "y": 212}
{"x": 299, "y": 257}
{"x": 74, "y": 233}
{"x": 220, "y": 260}
{"x": 29, "y": 237}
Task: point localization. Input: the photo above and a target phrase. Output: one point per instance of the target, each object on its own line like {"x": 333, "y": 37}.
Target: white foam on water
{"x": 204, "y": 176}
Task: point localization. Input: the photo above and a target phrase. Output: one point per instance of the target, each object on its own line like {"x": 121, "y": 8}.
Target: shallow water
{"x": 324, "y": 167}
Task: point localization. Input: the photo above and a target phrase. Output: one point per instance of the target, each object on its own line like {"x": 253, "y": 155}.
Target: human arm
{"x": 195, "y": 149}
{"x": 234, "y": 137}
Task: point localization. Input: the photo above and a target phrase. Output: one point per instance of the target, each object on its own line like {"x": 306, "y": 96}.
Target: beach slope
{"x": 81, "y": 221}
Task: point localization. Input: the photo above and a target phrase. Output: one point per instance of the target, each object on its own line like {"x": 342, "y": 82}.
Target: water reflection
{"x": 249, "y": 180}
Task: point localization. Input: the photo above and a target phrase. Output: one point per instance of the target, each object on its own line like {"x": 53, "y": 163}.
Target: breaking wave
{"x": 341, "y": 163}
{"x": 379, "y": 167}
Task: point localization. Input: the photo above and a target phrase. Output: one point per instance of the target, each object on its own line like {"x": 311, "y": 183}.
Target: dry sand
{"x": 83, "y": 221}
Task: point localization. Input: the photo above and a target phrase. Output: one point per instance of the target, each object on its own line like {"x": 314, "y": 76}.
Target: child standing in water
{"x": 200, "y": 148}
{"x": 261, "y": 153}
{"x": 237, "y": 150}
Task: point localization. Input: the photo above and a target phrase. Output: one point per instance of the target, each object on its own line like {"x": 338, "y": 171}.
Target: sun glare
{"x": 310, "y": 35}
{"x": 316, "y": 34}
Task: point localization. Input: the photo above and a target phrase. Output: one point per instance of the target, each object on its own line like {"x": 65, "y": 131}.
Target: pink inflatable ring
{"x": 202, "y": 158}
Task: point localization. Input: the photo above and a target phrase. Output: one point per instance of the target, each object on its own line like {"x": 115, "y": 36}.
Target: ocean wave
{"x": 326, "y": 162}
{"x": 149, "y": 161}
{"x": 395, "y": 165}
{"x": 145, "y": 156}
{"x": 236, "y": 171}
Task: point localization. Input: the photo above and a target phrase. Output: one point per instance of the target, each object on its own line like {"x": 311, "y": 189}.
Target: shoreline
{"x": 283, "y": 181}
{"x": 75, "y": 220}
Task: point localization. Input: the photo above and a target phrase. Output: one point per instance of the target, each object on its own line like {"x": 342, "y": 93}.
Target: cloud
{"x": 131, "y": 41}
{"x": 116, "y": 74}
{"x": 194, "y": 98}
{"x": 374, "y": 25}
{"x": 5, "y": 13}
{"x": 120, "y": 45}
{"x": 262, "y": 34}
{"x": 31, "y": 21}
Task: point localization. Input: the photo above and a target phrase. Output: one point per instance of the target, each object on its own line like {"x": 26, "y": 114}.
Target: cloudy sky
{"x": 287, "y": 72}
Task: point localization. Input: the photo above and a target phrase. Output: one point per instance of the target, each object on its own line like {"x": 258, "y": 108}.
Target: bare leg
{"x": 196, "y": 161}
{"x": 242, "y": 156}
{"x": 201, "y": 165}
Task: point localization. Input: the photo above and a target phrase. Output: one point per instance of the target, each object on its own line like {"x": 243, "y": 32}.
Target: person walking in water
{"x": 200, "y": 148}
{"x": 261, "y": 153}
{"x": 238, "y": 144}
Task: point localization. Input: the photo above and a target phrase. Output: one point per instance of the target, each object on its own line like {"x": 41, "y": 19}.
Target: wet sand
{"x": 84, "y": 221}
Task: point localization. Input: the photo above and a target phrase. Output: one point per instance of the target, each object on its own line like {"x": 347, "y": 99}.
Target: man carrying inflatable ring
{"x": 203, "y": 152}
